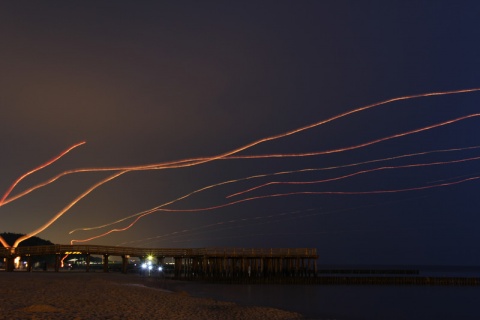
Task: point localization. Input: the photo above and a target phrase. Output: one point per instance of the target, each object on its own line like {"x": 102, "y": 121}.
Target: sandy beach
{"x": 65, "y": 295}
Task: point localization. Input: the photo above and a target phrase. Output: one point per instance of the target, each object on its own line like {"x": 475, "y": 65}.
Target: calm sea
{"x": 356, "y": 302}
{"x": 352, "y": 302}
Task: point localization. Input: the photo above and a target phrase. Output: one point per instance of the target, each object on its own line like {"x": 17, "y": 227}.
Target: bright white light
{"x": 160, "y": 268}
{"x": 16, "y": 261}
{"x": 150, "y": 267}
{"x": 144, "y": 265}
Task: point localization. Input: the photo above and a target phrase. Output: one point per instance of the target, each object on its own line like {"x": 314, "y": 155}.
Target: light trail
{"x": 430, "y": 127}
{"x": 351, "y": 192}
{"x": 194, "y": 162}
{"x": 63, "y": 259}
{"x": 235, "y": 180}
{"x": 229, "y": 154}
{"x": 189, "y": 162}
{"x": 333, "y": 168}
{"x": 4, "y": 243}
{"x": 10, "y": 189}
{"x": 16, "y": 182}
{"x": 316, "y": 212}
{"x": 108, "y": 232}
{"x": 263, "y": 235}
{"x": 365, "y": 144}
{"x": 455, "y": 178}
{"x": 317, "y": 153}
{"x": 168, "y": 165}
{"x": 283, "y": 217}
{"x": 143, "y": 213}
{"x": 156, "y": 209}
{"x": 65, "y": 209}
{"x": 342, "y": 115}
{"x": 221, "y": 223}
{"x": 181, "y": 233}
{"x": 441, "y": 124}
{"x": 165, "y": 165}
{"x": 415, "y": 165}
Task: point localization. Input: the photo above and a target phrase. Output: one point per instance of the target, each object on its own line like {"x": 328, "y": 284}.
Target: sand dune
{"x": 42, "y": 295}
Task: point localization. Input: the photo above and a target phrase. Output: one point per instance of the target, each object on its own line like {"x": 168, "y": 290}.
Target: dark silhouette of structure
{"x": 188, "y": 263}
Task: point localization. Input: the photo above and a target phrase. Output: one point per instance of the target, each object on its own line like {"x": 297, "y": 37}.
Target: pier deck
{"x": 188, "y": 262}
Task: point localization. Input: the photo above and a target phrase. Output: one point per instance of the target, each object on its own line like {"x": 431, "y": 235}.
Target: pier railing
{"x": 188, "y": 262}
{"x": 161, "y": 252}
{"x": 260, "y": 252}
{"x": 105, "y": 250}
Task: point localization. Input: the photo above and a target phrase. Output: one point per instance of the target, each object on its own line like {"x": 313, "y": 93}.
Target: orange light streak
{"x": 37, "y": 169}
{"x": 316, "y": 124}
{"x": 355, "y": 174}
{"x": 62, "y": 264}
{"x": 283, "y": 214}
{"x": 261, "y": 176}
{"x": 282, "y": 195}
{"x": 230, "y": 153}
{"x": 65, "y": 209}
{"x": 4, "y": 243}
{"x": 362, "y": 145}
{"x": 362, "y": 192}
{"x": 108, "y": 232}
{"x": 289, "y": 133}
{"x": 221, "y": 223}
{"x": 190, "y": 162}
{"x": 155, "y": 209}
{"x": 166, "y": 165}
{"x": 197, "y": 161}
{"x": 142, "y": 214}
{"x": 303, "y": 154}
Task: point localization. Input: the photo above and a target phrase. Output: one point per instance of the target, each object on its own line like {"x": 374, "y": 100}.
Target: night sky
{"x": 145, "y": 82}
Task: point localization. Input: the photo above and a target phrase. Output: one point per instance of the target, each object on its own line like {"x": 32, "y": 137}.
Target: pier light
{"x": 16, "y": 261}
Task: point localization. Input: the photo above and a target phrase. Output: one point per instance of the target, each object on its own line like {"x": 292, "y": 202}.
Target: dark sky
{"x": 154, "y": 81}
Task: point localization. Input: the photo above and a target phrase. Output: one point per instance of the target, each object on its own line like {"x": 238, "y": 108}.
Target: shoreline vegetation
{"x": 79, "y": 296}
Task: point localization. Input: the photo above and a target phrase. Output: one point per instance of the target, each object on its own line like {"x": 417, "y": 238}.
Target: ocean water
{"x": 351, "y": 302}
{"x": 358, "y": 302}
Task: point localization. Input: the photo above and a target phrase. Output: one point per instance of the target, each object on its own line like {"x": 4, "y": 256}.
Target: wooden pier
{"x": 190, "y": 263}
